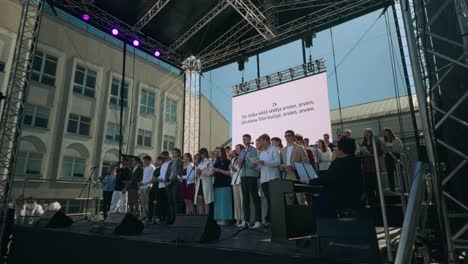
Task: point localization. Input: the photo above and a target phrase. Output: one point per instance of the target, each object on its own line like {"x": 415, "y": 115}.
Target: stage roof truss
{"x": 150, "y": 14}
{"x": 225, "y": 30}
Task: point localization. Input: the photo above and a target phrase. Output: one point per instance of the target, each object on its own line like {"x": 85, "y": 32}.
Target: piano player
{"x": 343, "y": 183}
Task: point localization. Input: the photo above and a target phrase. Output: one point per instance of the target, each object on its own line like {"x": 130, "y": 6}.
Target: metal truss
{"x": 429, "y": 77}
{"x": 294, "y": 73}
{"x": 200, "y": 24}
{"x": 191, "y": 67}
{"x": 150, "y": 14}
{"x": 104, "y": 20}
{"x": 333, "y": 12}
{"x": 253, "y": 15}
{"x": 12, "y": 112}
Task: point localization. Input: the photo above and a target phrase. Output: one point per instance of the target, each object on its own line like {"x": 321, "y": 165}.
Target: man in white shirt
{"x": 161, "y": 195}
{"x": 268, "y": 165}
{"x": 145, "y": 185}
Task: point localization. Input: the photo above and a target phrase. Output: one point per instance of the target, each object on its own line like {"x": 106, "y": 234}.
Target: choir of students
{"x": 234, "y": 182}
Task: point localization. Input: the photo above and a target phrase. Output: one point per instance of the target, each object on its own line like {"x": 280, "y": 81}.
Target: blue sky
{"x": 364, "y": 72}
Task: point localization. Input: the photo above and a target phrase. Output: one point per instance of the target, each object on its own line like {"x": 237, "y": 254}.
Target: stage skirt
{"x": 223, "y": 203}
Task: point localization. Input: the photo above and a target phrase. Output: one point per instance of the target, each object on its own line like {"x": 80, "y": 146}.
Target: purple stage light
{"x": 157, "y": 53}
{"x": 85, "y": 17}
{"x": 136, "y": 43}
{"x": 115, "y": 31}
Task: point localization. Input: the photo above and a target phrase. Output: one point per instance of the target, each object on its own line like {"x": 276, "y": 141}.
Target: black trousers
{"x": 161, "y": 203}
{"x": 106, "y": 201}
{"x": 173, "y": 197}
{"x": 249, "y": 186}
{"x": 390, "y": 167}
{"x": 152, "y": 201}
{"x": 266, "y": 191}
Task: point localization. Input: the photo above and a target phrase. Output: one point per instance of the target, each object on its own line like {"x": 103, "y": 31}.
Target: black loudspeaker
{"x": 119, "y": 224}
{"x": 350, "y": 239}
{"x": 196, "y": 228}
{"x": 54, "y": 219}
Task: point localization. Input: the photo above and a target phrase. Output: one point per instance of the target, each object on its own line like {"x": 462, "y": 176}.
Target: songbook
{"x": 305, "y": 171}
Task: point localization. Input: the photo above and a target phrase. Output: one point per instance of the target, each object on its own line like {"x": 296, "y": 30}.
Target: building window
{"x": 168, "y": 143}
{"x": 44, "y": 68}
{"x": 171, "y": 110}
{"x": 147, "y": 102}
{"x": 85, "y": 81}
{"x": 28, "y": 164}
{"x": 144, "y": 138}
{"x": 35, "y": 116}
{"x": 73, "y": 167}
{"x": 112, "y": 132}
{"x": 78, "y": 125}
{"x": 115, "y": 92}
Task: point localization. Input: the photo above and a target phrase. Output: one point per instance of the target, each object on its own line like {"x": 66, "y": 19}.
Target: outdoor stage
{"x": 157, "y": 243}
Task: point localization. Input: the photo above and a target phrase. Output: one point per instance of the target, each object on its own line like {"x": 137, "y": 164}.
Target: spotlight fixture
{"x": 157, "y": 53}
{"x": 115, "y": 31}
{"x": 85, "y": 17}
{"x": 136, "y": 43}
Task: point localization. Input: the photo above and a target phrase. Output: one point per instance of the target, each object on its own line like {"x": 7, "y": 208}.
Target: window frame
{"x": 83, "y": 86}
{"x": 79, "y": 123}
{"x": 26, "y": 160}
{"x": 169, "y": 116}
{"x": 145, "y": 105}
{"x": 117, "y": 97}
{"x": 41, "y": 72}
{"x": 35, "y": 110}
{"x": 144, "y": 136}
{"x": 73, "y": 167}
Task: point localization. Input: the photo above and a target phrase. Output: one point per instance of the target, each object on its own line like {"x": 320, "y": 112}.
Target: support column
{"x": 15, "y": 96}
{"x": 191, "y": 67}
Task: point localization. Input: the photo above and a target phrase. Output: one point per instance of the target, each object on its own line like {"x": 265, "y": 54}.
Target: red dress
{"x": 188, "y": 190}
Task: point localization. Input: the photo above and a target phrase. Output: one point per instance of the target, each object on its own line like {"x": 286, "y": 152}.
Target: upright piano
{"x": 290, "y": 221}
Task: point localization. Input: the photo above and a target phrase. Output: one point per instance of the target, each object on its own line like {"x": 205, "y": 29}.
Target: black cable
{"x": 395, "y": 82}
{"x": 336, "y": 80}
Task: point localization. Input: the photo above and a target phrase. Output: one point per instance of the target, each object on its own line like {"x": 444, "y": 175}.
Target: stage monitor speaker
{"x": 54, "y": 219}
{"x": 119, "y": 224}
{"x": 348, "y": 239}
{"x": 196, "y": 228}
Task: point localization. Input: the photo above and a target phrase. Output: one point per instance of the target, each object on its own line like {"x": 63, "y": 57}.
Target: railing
{"x": 412, "y": 215}
{"x": 382, "y": 201}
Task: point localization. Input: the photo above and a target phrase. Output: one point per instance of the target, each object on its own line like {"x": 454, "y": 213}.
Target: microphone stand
{"x": 87, "y": 184}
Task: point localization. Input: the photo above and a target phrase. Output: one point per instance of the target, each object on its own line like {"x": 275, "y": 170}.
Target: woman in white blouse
{"x": 392, "y": 146}
{"x": 204, "y": 193}
{"x": 188, "y": 182}
{"x": 236, "y": 186}
{"x": 324, "y": 157}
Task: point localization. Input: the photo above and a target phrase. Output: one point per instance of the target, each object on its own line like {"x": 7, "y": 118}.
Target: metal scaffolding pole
{"x": 12, "y": 112}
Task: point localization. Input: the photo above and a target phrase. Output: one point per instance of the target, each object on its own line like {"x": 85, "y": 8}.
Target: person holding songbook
{"x": 268, "y": 165}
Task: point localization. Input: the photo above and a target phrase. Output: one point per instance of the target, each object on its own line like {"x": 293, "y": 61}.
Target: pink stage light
{"x": 136, "y": 43}
{"x": 85, "y": 17}
{"x": 157, "y": 53}
{"x": 115, "y": 31}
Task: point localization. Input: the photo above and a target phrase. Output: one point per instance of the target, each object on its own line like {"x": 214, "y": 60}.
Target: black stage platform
{"x": 157, "y": 243}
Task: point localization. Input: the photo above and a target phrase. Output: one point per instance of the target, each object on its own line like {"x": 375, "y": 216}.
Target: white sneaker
{"x": 257, "y": 225}
{"x": 242, "y": 225}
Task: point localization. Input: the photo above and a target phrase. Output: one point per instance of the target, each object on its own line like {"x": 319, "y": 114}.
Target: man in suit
{"x": 134, "y": 188}
{"x": 290, "y": 154}
{"x": 172, "y": 184}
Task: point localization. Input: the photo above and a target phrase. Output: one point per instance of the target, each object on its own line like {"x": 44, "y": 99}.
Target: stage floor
{"x": 78, "y": 244}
